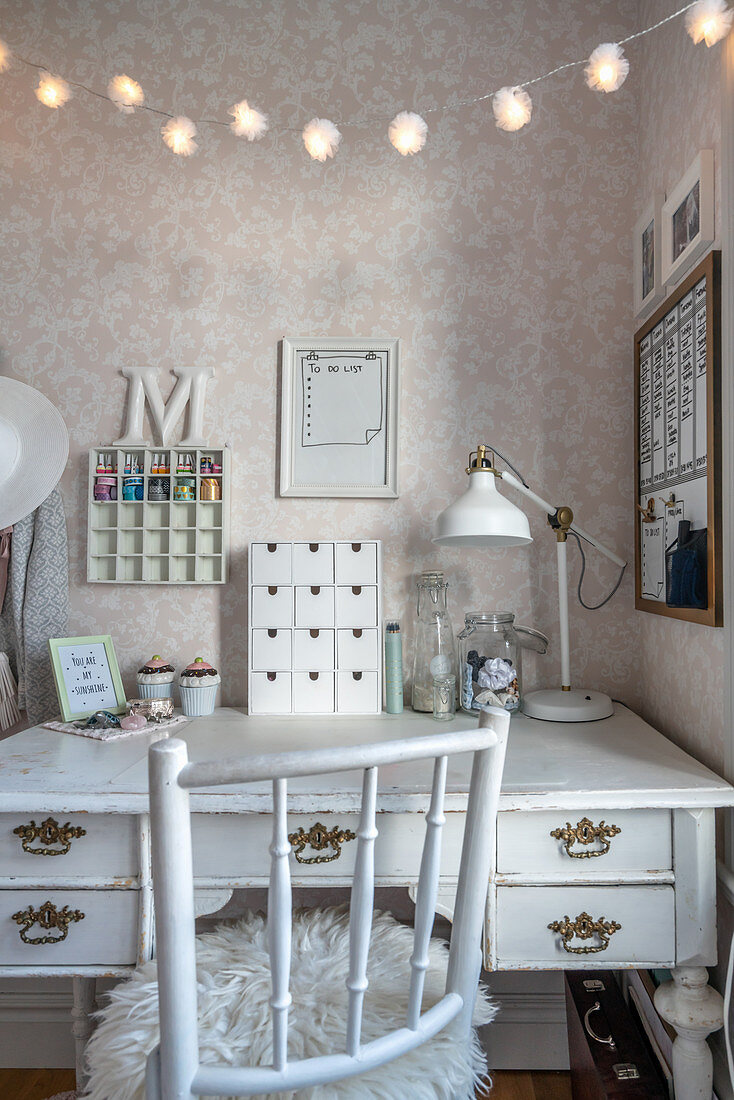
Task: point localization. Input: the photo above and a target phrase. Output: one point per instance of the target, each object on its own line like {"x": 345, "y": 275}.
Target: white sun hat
{"x": 34, "y": 446}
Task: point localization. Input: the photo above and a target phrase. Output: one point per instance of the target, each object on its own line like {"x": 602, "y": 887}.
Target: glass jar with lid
{"x": 434, "y": 653}
{"x": 490, "y": 656}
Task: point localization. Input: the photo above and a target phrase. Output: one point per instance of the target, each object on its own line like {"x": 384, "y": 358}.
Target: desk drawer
{"x": 645, "y": 914}
{"x": 235, "y": 847}
{"x": 106, "y": 934}
{"x": 102, "y": 846}
{"x": 597, "y": 844}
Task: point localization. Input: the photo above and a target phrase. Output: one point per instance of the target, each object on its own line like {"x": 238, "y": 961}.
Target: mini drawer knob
{"x": 54, "y": 839}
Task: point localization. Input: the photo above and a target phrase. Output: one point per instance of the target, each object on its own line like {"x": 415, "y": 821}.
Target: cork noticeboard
{"x": 678, "y": 439}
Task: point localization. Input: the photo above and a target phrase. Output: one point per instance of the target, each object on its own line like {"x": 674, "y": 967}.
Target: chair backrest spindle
{"x": 360, "y": 910}
{"x": 480, "y": 830}
{"x": 425, "y": 901}
{"x": 279, "y": 924}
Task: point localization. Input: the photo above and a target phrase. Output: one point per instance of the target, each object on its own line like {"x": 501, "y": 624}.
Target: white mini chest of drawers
{"x": 75, "y": 890}
{"x": 315, "y": 628}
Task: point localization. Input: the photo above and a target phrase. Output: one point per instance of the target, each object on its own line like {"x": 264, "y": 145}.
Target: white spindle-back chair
{"x": 174, "y": 1071}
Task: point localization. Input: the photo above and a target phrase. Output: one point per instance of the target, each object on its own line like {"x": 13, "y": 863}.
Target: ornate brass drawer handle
{"x": 319, "y": 837}
{"x": 47, "y": 917}
{"x": 585, "y": 927}
{"x": 586, "y": 832}
{"x": 48, "y": 832}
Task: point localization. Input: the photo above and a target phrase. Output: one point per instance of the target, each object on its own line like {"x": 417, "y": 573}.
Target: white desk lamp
{"x": 481, "y": 517}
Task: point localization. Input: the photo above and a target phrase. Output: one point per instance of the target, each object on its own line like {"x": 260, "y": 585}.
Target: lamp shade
{"x": 482, "y": 517}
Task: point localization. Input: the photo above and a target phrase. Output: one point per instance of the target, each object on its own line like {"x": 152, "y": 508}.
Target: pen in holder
{"x": 393, "y": 668}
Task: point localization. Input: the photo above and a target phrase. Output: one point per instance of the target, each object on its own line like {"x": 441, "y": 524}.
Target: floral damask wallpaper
{"x": 682, "y": 664}
{"x": 501, "y": 261}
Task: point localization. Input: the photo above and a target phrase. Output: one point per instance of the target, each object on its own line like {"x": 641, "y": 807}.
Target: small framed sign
{"x": 87, "y": 676}
{"x": 339, "y": 418}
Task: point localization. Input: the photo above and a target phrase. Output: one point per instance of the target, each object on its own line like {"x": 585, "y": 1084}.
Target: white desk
{"x": 653, "y": 884}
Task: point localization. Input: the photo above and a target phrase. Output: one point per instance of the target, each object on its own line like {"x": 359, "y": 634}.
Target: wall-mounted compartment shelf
{"x": 160, "y": 541}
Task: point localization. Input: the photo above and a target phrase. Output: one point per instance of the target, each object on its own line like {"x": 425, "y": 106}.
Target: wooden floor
{"x": 34, "y": 1084}
{"x": 38, "y": 1084}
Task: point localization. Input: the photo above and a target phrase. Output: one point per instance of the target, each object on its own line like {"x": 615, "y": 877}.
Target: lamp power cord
{"x": 593, "y": 606}
{"x": 582, "y": 601}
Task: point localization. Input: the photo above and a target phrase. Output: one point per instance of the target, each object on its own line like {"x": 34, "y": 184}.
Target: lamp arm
{"x": 550, "y": 509}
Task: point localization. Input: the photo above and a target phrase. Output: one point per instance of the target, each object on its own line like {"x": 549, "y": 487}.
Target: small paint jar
{"x": 210, "y": 489}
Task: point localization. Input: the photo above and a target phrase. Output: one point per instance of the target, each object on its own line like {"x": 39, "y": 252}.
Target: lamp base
{"x": 578, "y": 705}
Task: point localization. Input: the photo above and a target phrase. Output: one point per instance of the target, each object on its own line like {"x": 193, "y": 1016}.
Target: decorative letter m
{"x": 190, "y": 387}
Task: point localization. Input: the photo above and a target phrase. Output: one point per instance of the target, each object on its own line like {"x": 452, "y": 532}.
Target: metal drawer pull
{"x": 586, "y": 832}
{"x": 585, "y": 927}
{"x": 608, "y": 1041}
{"x": 47, "y": 917}
{"x": 319, "y": 837}
{"x": 48, "y": 832}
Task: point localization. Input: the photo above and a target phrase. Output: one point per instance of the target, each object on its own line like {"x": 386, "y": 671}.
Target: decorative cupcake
{"x": 155, "y": 679}
{"x": 198, "y": 685}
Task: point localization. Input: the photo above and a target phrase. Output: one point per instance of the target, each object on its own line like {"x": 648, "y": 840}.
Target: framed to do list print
{"x": 87, "y": 676}
{"x": 339, "y": 418}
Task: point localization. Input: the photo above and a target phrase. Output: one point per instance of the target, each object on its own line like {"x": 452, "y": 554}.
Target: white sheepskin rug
{"x": 234, "y": 1015}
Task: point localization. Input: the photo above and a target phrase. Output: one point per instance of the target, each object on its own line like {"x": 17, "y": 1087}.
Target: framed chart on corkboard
{"x": 678, "y": 452}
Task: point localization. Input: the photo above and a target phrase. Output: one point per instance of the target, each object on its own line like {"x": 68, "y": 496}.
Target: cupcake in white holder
{"x": 198, "y": 684}
{"x": 155, "y": 679}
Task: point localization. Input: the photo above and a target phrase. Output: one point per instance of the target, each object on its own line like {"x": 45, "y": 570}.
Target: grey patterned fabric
{"x": 36, "y": 605}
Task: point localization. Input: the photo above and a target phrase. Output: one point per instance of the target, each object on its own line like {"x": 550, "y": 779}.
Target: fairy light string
{"x": 605, "y": 70}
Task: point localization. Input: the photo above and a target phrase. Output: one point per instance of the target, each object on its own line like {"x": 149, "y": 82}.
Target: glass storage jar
{"x": 434, "y": 653}
{"x": 490, "y": 654}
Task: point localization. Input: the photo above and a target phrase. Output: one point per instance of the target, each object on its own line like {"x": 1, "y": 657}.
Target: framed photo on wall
{"x": 87, "y": 676}
{"x": 688, "y": 218}
{"x": 649, "y": 288}
{"x": 339, "y": 418}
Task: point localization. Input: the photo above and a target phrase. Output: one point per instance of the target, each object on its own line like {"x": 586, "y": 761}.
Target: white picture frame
{"x": 340, "y": 415}
{"x": 688, "y": 218}
{"x": 648, "y": 285}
